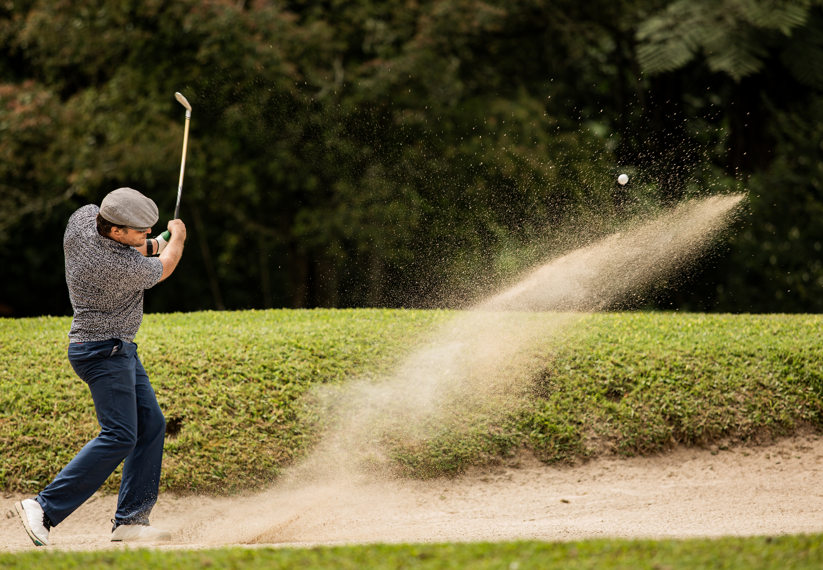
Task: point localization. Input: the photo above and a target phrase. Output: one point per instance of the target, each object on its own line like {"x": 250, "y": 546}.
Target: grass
{"x": 757, "y": 553}
{"x": 229, "y": 384}
{"x": 233, "y": 387}
{"x": 638, "y": 383}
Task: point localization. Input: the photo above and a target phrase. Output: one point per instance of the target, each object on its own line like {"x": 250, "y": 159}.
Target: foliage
{"x": 376, "y": 154}
{"x": 776, "y": 256}
{"x": 733, "y": 36}
{"x": 306, "y": 144}
{"x": 233, "y": 387}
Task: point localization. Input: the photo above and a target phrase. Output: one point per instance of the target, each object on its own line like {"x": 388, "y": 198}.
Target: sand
{"x": 763, "y": 490}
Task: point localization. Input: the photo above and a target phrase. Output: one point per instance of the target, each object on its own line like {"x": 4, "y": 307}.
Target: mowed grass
{"x": 230, "y": 385}
{"x": 234, "y": 387}
{"x": 757, "y": 553}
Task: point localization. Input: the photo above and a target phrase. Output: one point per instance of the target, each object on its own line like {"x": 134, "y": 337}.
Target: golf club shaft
{"x": 182, "y": 165}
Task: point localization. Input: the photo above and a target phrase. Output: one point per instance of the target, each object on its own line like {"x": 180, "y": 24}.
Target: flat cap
{"x": 128, "y": 207}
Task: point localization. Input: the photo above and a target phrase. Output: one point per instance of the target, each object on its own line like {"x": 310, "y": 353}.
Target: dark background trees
{"x": 407, "y": 154}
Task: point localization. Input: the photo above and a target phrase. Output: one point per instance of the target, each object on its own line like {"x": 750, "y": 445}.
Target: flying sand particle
{"x": 477, "y": 363}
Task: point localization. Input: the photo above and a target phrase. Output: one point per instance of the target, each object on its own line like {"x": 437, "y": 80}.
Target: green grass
{"x": 638, "y": 383}
{"x": 758, "y": 553}
{"x": 230, "y": 384}
{"x": 233, "y": 387}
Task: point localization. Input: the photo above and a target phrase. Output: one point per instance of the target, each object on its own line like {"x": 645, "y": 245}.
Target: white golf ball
{"x": 622, "y": 179}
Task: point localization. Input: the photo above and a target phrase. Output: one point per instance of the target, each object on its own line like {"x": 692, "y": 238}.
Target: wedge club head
{"x": 183, "y": 101}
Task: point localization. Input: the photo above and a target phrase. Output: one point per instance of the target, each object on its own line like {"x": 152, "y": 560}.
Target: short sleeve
{"x": 148, "y": 270}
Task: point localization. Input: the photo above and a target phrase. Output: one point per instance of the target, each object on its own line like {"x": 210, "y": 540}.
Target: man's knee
{"x": 155, "y": 422}
{"x": 122, "y": 441}
{"x": 161, "y": 424}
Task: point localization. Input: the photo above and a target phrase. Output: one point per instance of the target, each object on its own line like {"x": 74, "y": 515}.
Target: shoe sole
{"x": 21, "y": 512}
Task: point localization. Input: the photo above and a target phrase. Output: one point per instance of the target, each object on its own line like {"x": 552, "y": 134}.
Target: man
{"x": 108, "y": 268}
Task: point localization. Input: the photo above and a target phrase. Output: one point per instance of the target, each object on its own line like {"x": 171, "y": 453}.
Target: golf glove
{"x": 162, "y": 242}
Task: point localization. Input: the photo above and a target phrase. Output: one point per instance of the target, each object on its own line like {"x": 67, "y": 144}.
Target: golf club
{"x": 183, "y": 101}
{"x": 164, "y": 238}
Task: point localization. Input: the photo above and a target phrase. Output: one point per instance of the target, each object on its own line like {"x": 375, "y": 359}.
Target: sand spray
{"x": 479, "y": 363}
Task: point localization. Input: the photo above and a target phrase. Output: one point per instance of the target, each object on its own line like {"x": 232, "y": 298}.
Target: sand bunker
{"x": 773, "y": 489}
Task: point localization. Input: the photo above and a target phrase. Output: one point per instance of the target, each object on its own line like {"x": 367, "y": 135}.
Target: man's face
{"x": 127, "y": 236}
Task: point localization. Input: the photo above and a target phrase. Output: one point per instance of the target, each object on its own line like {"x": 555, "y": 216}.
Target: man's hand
{"x": 177, "y": 229}
{"x": 172, "y": 253}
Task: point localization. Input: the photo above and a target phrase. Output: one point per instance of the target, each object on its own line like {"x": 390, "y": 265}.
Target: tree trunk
{"x": 300, "y": 278}
{"x": 325, "y": 283}
{"x": 375, "y": 280}
{"x": 750, "y": 145}
{"x": 668, "y": 146}
{"x": 207, "y": 259}
{"x": 265, "y": 275}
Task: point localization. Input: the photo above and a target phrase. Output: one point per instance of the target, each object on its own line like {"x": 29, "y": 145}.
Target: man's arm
{"x": 143, "y": 249}
{"x": 174, "y": 250}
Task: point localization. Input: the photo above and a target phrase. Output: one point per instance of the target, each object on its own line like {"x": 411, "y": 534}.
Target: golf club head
{"x": 183, "y": 101}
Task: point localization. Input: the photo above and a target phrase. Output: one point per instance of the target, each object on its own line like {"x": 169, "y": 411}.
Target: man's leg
{"x": 111, "y": 380}
{"x": 141, "y": 470}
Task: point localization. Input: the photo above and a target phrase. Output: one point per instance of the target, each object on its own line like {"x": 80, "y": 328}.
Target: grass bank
{"x": 757, "y": 553}
{"x": 233, "y": 386}
{"x": 639, "y": 383}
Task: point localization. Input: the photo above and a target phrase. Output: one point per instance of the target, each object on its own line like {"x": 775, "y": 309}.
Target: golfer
{"x": 108, "y": 268}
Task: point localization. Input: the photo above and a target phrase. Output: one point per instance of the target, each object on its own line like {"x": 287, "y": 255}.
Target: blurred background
{"x": 415, "y": 153}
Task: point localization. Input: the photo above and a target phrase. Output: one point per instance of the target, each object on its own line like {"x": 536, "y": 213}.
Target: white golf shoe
{"x": 34, "y": 521}
{"x": 139, "y": 533}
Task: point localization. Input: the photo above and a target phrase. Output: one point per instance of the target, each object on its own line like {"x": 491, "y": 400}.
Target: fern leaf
{"x": 670, "y": 39}
{"x": 783, "y": 15}
{"x": 737, "y": 53}
{"x": 804, "y": 55}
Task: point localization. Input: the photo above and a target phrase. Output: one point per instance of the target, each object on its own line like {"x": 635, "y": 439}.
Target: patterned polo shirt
{"x": 106, "y": 281}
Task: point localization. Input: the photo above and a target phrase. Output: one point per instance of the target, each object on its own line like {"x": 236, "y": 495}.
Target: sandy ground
{"x": 773, "y": 489}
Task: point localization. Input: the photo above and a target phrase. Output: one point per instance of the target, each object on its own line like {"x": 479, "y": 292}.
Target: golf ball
{"x": 622, "y": 179}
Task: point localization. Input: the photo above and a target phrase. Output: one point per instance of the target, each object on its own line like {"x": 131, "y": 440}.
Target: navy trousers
{"x": 132, "y": 427}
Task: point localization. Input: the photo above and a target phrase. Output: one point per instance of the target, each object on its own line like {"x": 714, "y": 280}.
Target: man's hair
{"x": 104, "y": 226}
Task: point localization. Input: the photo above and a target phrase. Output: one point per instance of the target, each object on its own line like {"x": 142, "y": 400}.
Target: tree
{"x": 371, "y": 153}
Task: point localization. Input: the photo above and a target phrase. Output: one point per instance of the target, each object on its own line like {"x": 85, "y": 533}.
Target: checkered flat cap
{"x": 128, "y": 207}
